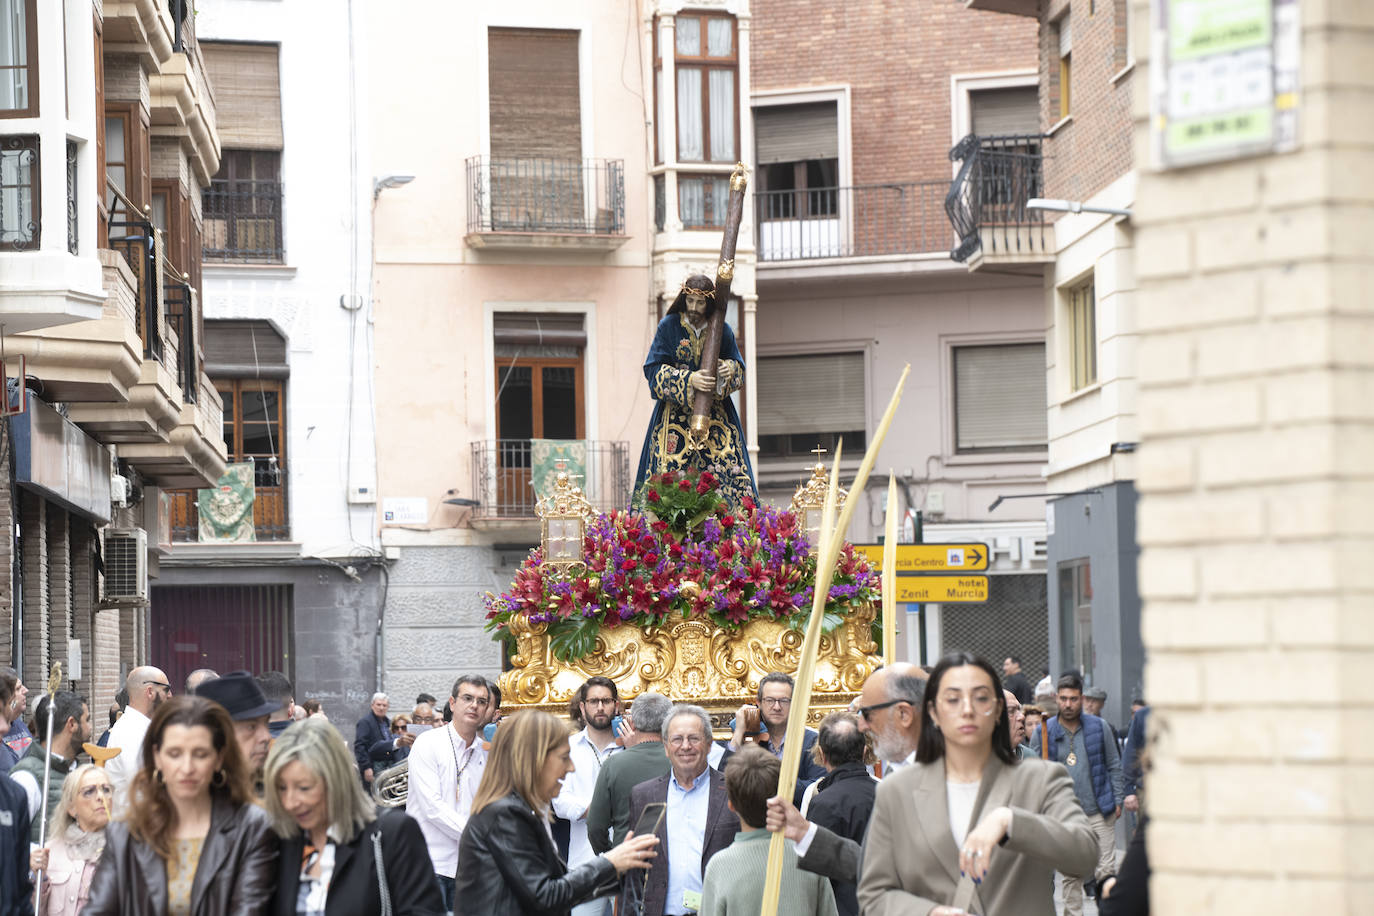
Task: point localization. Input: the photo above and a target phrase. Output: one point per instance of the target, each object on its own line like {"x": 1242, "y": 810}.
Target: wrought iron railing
{"x": 987, "y": 199}
{"x": 21, "y": 205}
{"x": 72, "y": 238}
{"x": 183, "y": 23}
{"x": 243, "y": 220}
{"x": 269, "y": 512}
{"x": 132, "y": 235}
{"x": 504, "y": 472}
{"x": 181, "y": 322}
{"x": 561, "y": 196}
{"x": 848, "y": 222}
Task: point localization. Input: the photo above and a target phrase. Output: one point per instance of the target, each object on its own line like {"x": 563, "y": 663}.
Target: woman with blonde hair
{"x": 194, "y": 842}
{"x": 507, "y": 862}
{"x": 339, "y": 855}
{"x": 76, "y": 841}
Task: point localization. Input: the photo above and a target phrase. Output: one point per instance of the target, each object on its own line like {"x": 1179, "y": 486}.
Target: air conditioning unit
{"x": 126, "y": 566}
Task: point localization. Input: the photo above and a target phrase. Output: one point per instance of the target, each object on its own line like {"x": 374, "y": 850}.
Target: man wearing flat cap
{"x": 1094, "y": 698}
{"x": 238, "y": 692}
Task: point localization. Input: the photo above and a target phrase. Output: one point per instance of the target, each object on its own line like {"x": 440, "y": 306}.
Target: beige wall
{"x": 1256, "y": 502}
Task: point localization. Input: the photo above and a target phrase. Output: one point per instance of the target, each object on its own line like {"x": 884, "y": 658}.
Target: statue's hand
{"x": 700, "y": 381}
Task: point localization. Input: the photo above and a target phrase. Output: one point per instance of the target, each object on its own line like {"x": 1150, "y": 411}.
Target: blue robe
{"x": 676, "y": 354}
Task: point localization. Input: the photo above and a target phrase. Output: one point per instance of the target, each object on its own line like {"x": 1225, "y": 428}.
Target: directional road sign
{"x": 930, "y": 558}
{"x": 942, "y": 589}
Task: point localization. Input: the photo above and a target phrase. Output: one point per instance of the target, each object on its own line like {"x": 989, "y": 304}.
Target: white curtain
{"x": 690, "y": 201}
{"x": 688, "y": 37}
{"x": 722, "y": 115}
{"x": 719, "y": 37}
{"x": 13, "y": 53}
{"x": 689, "y": 146}
{"x": 663, "y": 118}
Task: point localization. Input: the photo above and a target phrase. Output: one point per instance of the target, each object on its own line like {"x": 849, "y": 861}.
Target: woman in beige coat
{"x": 970, "y": 826}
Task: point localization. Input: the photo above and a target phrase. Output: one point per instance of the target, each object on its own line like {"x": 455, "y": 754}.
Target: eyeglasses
{"x": 467, "y": 699}
{"x": 867, "y": 711}
{"x": 166, "y": 687}
{"x": 983, "y": 702}
{"x": 776, "y": 702}
{"x": 680, "y": 740}
{"x": 599, "y": 701}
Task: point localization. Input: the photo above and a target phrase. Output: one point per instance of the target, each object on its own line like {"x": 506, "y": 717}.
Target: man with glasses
{"x": 446, "y": 767}
{"x": 591, "y": 748}
{"x": 697, "y": 825}
{"x": 148, "y": 689}
{"x": 774, "y": 709}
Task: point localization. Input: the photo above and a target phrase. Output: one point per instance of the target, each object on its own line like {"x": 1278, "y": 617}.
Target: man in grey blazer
{"x": 697, "y": 825}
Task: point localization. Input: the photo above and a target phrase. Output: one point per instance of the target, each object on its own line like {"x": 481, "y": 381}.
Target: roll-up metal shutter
{"x": 244, "y": 349}
{"x": 246, "y": 82}
{"x": 998, "y": 112}
{"x": 536, "y": 110}
{"x": 539, "y": 328}
{"x": 795, "y": 133}
{"x": 999, "y": 397}
{"x": 822, "y": 392}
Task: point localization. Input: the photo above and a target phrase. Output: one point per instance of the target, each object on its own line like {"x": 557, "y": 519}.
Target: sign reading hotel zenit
{"x": 1223, "y": 80}
{"x": 942, "y": 589}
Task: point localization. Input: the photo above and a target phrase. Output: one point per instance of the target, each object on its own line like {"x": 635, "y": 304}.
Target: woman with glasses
{"x": 195, "y": 843}
{"x": 988, "y": 830}
{"x": 507, "y": 862}
{"x": 76, "y": 838}
{"x": 340, "y": 855}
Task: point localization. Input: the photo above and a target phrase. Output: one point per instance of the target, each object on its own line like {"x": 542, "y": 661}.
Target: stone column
{"x": 1256, "y": 472}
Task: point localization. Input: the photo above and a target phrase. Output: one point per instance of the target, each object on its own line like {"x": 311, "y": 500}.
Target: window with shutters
{"x": 18, "y": 58}
{"x": 1012, "y": 111}
{"x": 999, "y": 398}
{"x": 810, "y": 400}
{"x": 706, "y": 63}
{"x": 243, "y": 205}
{"x": 127, "y": 151}
{"x": 798, "y": 149}
{"x": 1082, "y": 333}
{"x": 1061, "y": 76}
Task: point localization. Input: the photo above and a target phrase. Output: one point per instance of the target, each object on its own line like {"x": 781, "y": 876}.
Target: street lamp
{"x": 389, "y": 181}
{"x": 1072, "y": 206}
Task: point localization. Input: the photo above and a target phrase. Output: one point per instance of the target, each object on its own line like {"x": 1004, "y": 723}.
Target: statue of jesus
{"x": 673, "y": 370}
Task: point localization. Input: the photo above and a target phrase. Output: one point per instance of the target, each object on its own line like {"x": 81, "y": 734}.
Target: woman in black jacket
{"x": 507, "y": 862}
{"x": 340, "y": 856}
{"x": 194, "y": 843}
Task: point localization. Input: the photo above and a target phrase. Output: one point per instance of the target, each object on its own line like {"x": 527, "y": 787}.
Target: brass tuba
{"x": 391, "y": 785}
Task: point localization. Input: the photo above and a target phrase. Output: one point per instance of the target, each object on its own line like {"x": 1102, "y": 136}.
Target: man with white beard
{"x": 889, "y": 708}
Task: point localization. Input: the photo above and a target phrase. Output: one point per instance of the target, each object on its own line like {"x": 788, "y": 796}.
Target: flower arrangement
{"x": 680, "y": 551}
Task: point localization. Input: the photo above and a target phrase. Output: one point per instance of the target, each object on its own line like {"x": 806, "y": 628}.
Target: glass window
{"x": 811, "y": 400}
{"x": 1076, "y": 615}
{"x": 706, "y": 109}
{"x": 19, "y": 193}
{"x": 1082, "y": 326}
{"x": 18, "y": 58}
{"x": 999, "y": 398}
{"x": 702, "y": 200}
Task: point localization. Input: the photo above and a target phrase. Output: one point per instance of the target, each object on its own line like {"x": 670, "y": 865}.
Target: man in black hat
{"x": 239, "y": 693}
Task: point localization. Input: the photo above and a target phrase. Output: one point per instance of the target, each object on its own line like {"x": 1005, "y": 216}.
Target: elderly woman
{"x": 340, "y": 855}
{"x": 77, "y": 835}
{"x": 507, "y": 862}
{"x": 194, "y": 843}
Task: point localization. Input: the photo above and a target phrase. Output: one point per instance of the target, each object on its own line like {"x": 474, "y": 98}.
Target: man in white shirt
{"x": 591, "y": 747}
{"x": 148, "y": 688}
{"x": 446, "y": 767}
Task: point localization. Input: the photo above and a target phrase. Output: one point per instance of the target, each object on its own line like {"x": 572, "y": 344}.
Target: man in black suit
{"x": 844, "y": 798}
{"x": 1014, "y": 680}
{"x": 697, "y": 825}
{"x": 371, "y": 728}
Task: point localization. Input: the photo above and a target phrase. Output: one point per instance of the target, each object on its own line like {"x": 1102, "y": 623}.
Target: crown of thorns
{"x": 708, "y": 293}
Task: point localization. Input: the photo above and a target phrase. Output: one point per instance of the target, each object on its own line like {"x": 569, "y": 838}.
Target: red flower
{"x": 727, "y": 521}
{"x": 685, "y": 486}
{"x": 660, "y": 526}
{"x": 708, "y": 478}
{"x": 628, "y": 565}
{"x": 749, "y": 505}
{"x": 668, "y": 477}
{"x": 652, "y": 496}
{"x": 650, "y": 559}
{"x": 703, "y": 487}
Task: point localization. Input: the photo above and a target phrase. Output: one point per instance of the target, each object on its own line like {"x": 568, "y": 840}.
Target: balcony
{"x": 986, "y": 202}
{"x": 546, "y": 203}
{"x": 269, "y": 509}
{"x": 503, "y": 471}
{"x": 864, "y": 221}
{"x": 243, "y": 221}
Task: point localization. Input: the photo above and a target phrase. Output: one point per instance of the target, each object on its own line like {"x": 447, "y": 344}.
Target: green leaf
{"x": 573, "y": 638}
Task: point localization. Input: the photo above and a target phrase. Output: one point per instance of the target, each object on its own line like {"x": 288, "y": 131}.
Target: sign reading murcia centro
{"x": 930, "y": 558}
{"x": 1223, "y": 79}
{"x": 942, "y": 589}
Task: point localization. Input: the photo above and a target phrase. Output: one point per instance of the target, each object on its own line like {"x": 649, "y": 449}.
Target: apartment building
{"x": 107, "y": 138}
{"x": 854, "y": 111}
{"x": 515, "y": 298}
{"x": 1086, "y": 259}
{"x": 279, "y": 566}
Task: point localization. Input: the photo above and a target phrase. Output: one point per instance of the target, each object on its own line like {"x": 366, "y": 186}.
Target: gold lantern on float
{"x": 809, "y": 500}
{"x": 563, "y": 516}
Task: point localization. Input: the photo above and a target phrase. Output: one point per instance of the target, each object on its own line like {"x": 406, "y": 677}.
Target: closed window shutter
{"x": 244, "y": 349}
{"x": 999, "y": 397}
{"x": 796, "y": 133}
{"x": 823, "y": 392}
{"x": 535, "y": 106}
{"x": 998, "y": 112}
{"x": 246, "y": 84}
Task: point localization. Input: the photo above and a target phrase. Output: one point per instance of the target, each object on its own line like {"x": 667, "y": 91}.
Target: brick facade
{"x": 1092, "y": 148}
{"x": 1257, "y": 350}
{"x": 33, "y": 517}
{"x": 897, "y": 59}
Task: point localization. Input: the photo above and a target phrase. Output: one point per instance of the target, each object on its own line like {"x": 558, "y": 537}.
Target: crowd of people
{"x": 930, "y": 794}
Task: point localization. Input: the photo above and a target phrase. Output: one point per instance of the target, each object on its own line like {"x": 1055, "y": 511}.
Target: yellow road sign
{"x": 942, "y": 589}
{"x": 930, "y": 558}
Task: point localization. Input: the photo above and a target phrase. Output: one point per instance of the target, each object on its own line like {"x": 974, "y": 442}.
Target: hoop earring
{"x": 220, "y": 778}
